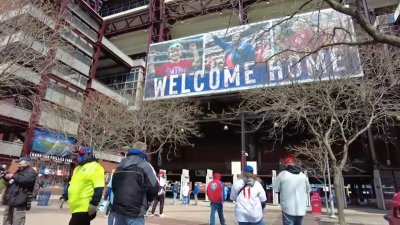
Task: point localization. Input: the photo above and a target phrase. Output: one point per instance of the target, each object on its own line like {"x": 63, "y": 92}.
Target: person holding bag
{"x": 250, "y": 199}
{"x": 18, "y": 195}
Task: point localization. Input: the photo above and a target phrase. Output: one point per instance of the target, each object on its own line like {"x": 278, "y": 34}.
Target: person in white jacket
{"x": 185, "y": 194}
{"x": 250, "y": 199}
{"x": 293, "y": 188}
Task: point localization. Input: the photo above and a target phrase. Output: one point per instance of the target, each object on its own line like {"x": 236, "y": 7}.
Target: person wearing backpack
{"x": 215, "y": 193}
{"x": 250, "y": 198}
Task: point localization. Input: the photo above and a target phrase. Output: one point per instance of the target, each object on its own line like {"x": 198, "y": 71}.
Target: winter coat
{"x": 244, "y": 53}
{"x": 293, "y": 188}
{"x": 175, "y": 188}
{"x": 134, "y": 185}
{"x": 249, "y": 199}
{"x": 20, "y": 187}
{"x": 215, "y": 190}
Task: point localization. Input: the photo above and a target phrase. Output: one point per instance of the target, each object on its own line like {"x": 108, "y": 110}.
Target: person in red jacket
{"x": 215, "y": 192}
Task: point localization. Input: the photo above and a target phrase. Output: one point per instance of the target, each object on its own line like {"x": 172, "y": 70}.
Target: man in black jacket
{"x": 18, "y": 195}
{"x": 134, "y": 185}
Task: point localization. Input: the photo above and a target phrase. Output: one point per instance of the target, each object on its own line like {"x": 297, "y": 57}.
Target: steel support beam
{"x": 41, "y": 91}
{"x": 178, "y": 10}
{"x": 96, "y": 54}
{"x": 13, "y": 122}
{"x": 242, "y": 13}
{"x": 131, "y": 23}
{"x": 91, "y": 11}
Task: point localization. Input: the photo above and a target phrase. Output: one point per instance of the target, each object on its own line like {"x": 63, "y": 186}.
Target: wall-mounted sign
{"x": 269, "y": 53}
{"x": 52, "y": 144}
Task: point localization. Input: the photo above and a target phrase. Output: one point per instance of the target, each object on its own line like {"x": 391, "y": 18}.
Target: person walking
{"x": 3, "y": 182}
{"x": 185, "y": 194}
{"x": 85, "y": 188}
{"x": 65, "y": 193}
{"x": 134, "y": 185}
{"x": 18, "y": 194}
{"x": 293, "y": 188}
{"x": 196, "y": 192}
{"x": 175, "y": 192}
{"x": 215, "y": 193}
{"x": 109, "y": 196}
{"x": 160, "y": 197}
{"x": 226, "y": 192}
{"x": 250, "y": 199}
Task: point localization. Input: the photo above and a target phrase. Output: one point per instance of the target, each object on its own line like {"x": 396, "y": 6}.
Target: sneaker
{"x": 151, "y": 215}
{"x": 162, "y": 215}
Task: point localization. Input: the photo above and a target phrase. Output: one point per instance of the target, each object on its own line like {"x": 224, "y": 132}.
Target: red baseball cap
{"x": 289, "y": 160}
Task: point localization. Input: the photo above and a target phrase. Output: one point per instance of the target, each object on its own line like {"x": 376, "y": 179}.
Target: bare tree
{"x": 163, "y": 125}
{"x": 28, "y": 34}
{"x": 335, "y": 110}
{"x": 103, "y": 123}
{"x": 107, "y": 125}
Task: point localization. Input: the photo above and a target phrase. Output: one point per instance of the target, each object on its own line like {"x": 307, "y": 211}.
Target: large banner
{"x": 53, "y": 144}
{"x": 268, "y": 53}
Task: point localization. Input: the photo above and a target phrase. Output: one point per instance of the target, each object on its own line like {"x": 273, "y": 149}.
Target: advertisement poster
{"x": 269, "y": 53}
{"x": 53, "y": 144}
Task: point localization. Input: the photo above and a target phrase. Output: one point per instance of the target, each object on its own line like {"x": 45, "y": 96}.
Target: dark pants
{"x": 219, "y": 208}
{"x": 291, "y": 220}
{"x": 14, "y": 215}
{"x": 81, "y": 218}
{"x": 158, "y": 199}
{"x": 108, "y": 209}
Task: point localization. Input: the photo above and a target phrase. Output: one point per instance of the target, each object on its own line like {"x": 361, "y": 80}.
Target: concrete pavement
{"x": 196, "y": 215}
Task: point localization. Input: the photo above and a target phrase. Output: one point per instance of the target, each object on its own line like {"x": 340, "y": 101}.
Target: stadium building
{"x": 113, "y": 41}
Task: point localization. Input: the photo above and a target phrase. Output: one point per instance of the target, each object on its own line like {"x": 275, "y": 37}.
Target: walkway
{"x": 195, "y": 215}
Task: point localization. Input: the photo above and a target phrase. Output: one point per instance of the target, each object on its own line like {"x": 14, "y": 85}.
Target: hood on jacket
{"x": 249, "y": 181}
{"x": 88, "y": 159}
{"x": 131, "y": 160}
{"x": 293, "y": 169}
{"x": 217, "y": 176}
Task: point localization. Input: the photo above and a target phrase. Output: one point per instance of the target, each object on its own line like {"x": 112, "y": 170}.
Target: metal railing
{"x": 106, "y": 11}
{"x": 100, "y": 87}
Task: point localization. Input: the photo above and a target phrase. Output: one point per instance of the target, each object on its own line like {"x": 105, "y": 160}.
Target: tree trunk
{"x": 339, "y": 199}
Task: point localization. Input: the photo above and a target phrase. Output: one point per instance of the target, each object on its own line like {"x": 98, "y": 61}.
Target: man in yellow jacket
{"x": 85, "y": 188}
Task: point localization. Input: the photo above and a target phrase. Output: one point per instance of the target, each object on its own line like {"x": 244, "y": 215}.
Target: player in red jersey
{"x": 177, "y": 65}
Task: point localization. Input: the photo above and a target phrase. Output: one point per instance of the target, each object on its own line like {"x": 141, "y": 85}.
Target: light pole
{"x": 243, "y": 139}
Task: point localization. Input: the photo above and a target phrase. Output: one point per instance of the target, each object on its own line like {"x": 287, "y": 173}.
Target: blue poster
{"x": 269, "y": 53}
{"x": 50, "y": 143}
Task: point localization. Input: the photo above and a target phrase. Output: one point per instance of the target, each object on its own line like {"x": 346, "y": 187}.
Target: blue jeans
{"x": 123, "y": 220}
{"x": 185, "y": 200}
{"x": 174, "y": 198}
{"x": 291, "y": 220}
{"x": 111, "y": 217}
{"x": 261, "y": 222}
{"x": 219, "y": 208}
